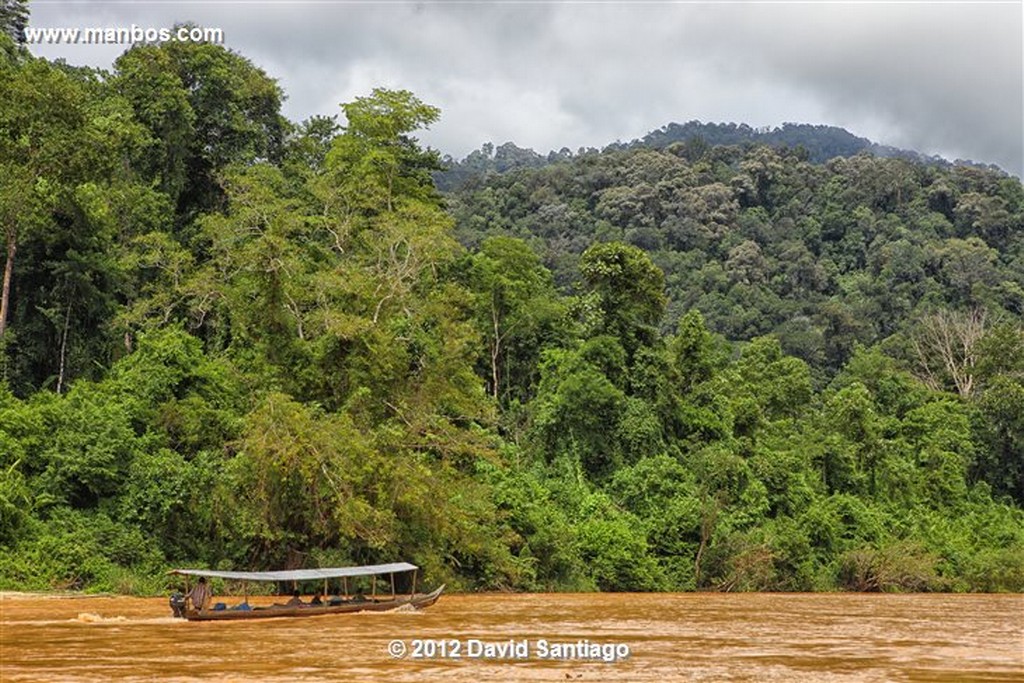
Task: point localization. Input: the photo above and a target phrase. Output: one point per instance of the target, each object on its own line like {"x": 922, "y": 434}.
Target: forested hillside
{"x": 814, "y": 143}
{"x": 233, "y": 341}
{"x": 860, "y": 250}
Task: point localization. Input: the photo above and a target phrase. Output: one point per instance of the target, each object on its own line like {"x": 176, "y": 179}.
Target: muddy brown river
{"x": 553, "y": 637}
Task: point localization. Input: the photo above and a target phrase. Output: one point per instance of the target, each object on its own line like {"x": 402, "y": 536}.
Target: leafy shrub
{"x": 899, "y": 567}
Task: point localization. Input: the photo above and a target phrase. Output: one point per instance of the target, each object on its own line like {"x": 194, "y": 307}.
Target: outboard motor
{"x": 177, "y": 603}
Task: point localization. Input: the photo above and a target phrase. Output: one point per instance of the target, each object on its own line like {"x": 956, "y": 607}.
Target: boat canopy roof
{"x": 302, "y": 574}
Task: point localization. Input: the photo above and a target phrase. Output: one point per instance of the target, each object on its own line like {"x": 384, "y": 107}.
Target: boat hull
{"x": 418, "y": 601}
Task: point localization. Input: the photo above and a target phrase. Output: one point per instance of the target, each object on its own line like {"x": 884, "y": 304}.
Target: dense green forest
{"x": 814, "y": 143}
{"x": 233, "y": 341}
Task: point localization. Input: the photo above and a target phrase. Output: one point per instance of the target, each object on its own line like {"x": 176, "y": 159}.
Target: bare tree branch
{"x": 946, "y": 348}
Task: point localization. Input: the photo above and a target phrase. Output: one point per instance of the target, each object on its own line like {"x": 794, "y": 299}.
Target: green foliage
{"x": 206, "y": 108}
{"x": 1002, "y": 431}
{"x": 614, "y": 547}
{"x": 65, "y": 154}
{"x": 518, "y": 313}
{"x": 544, "y": 539}
{"x": 375, "y": 163}
{"x": 93, "y": 444}
{"x": 764, "y": 387}
{"x": 997, "y": 571}
{"x": 234, "y": 342}
{"x": 14, "y": 19}
{"x": 824, "y": 256}
{"x": 693, "y": 350}
{"x": 83, "y": 550}
{"x": 629, "y": 293}
{"x": 577, "y": 410}
{"x": 895, "y": 568}
{"x": 15, "y": 503}
{"x": 663, "y": 495}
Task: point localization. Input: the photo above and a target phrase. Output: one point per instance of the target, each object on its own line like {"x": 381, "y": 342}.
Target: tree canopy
{"x": 232, "y": 341}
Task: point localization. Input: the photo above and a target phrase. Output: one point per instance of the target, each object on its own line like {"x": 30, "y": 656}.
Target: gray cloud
{"x": 940, "y": 78}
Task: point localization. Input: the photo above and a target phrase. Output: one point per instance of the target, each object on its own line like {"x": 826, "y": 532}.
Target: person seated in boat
{"x": 316, "y": 601}
{"x": 200, "y": 595}
{"x": 177, "y": 603}
{"x": 296, "y": 600}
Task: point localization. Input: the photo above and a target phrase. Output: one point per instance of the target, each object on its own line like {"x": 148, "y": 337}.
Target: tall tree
{"x": 14, "y": 19}
{"x": 376, "y": 162}
{"x": 946, "y": 347}
{"x": 206, "y": 107}
{"x": 66, "y": 151}
{"x": 518, "y": 312}
{"x": 628, "y": 291}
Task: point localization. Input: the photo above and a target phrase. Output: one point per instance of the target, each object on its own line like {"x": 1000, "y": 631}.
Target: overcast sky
{"x": 938, "y": 77}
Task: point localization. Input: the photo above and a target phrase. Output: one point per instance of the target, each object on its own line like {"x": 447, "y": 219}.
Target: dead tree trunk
{"x": 5, "y": 296}
{"x": 945, "y": 346}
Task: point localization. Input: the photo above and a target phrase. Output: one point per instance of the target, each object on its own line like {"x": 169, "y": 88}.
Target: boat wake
{"x": 92, "y": 618}
{"x": 405, "y": 608}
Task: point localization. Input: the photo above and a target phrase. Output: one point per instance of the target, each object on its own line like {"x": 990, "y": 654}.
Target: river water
{"x": 553, "y": 637}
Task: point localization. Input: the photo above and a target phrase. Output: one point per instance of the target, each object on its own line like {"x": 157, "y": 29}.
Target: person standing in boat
{"x": 200, "y": 595}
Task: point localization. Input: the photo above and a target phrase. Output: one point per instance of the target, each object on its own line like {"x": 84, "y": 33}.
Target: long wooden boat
{"x": 339, "y": 604}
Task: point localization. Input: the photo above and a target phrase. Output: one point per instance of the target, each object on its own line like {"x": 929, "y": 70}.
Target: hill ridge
{"x": 819, "y": 142}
